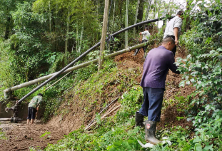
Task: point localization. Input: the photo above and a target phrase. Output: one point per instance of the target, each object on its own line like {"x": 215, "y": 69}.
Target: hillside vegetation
{"x": 201, "y": 70}
{"x": 192, "y": 111}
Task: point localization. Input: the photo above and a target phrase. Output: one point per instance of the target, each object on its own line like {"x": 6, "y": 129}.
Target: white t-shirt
{"x": 145, "y": 34}
{"x": 174, "y": 22}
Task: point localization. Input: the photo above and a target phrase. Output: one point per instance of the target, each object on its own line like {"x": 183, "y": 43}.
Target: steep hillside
{"x": 83, "y": 103}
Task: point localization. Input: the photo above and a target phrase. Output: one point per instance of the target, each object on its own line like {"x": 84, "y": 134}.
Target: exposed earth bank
{"x": 20, "y": 136}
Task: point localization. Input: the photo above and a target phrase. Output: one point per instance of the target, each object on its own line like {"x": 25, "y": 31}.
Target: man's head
{"x": 180, "y": 14}
{"x": 146, "y": 28}
{"x": 168, "y": 43}
{"x": 40, "y": 94}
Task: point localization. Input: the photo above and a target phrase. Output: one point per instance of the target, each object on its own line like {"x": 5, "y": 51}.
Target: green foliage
{"x": 131, "y": 102}
{"x": 6, "y": 73}
{"x": 46, "y": 133}
{"x": 202, "y": 70}
{"x": 112, "y": 132}
{"x": 129, "y": 145}
{"x": 36, "y": 48}
{"x": 114, "y": 137}
{"x": 2, "y": 135}
{"x": 27, "y": 42}
{"x": 52, "y": 103}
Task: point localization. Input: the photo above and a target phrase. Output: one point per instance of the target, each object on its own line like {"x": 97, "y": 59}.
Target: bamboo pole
{"x": 10, "y": 119}
{"x": 5, "y": 119}
{"x": 81, "y": 56}
{"x": 73, "y": 68}
{"x": 103, "y": 37}
{"x": 126, "y": 24}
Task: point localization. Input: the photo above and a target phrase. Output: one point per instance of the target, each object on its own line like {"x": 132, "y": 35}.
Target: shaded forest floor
{"x": 20, "y": 136}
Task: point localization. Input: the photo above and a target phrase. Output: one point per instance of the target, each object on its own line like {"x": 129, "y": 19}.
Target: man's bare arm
{"x": 176, "y": 31}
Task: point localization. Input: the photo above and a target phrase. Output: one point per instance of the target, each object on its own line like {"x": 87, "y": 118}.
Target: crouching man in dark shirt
{"x": 156, "y": 66}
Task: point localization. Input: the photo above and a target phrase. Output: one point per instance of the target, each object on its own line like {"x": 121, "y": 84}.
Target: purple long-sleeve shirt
{"x": 156, "y": 66}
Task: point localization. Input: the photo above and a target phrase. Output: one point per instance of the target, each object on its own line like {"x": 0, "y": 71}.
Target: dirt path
{"x": 21, "y": 136}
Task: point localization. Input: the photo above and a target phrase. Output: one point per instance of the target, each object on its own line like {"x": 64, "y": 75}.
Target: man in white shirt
{"x": 145, "y": 35}
{"x": 173, "y": 28}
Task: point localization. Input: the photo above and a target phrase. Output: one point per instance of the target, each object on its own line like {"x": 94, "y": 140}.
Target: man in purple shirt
{"x": 156, "y": 66}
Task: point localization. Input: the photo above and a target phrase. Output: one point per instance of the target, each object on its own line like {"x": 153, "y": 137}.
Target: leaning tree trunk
{"x": 103, "y": 38}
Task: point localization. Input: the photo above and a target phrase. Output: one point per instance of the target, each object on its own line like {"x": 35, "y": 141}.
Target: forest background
{"x": 40, "y": 37}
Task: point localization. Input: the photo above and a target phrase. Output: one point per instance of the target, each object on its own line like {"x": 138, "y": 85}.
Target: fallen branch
{"x": 103, "y": 110}
{"x": 115, "y": 108}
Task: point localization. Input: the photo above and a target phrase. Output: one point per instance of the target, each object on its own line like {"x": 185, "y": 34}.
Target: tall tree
{"x": 136, "y": 14}
{"x": 114, "y": 9}
{"x": 103, "y": 38}
{"x": 6, "y": 6}
{"x": 82, "y": 29}
{"x": 140, "y": 12}
{"x": 126, "y": 24}
{"x": 67, "y": 36}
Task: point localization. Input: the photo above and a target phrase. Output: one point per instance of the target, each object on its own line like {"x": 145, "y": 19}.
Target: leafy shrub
{"x": 202, "y": 70}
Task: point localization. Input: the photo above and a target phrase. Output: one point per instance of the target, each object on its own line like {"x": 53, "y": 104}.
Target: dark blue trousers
{"x": 152, "y": 104}
{"x": 31, "y": 113}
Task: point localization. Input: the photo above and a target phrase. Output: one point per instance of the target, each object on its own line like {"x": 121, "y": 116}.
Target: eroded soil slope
{"x": 21, "y": 136}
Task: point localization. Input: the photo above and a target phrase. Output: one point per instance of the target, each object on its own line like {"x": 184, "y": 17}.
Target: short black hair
{"x": 169, "y": 39}
{"x": 40, "y": 94}
{"x": 146, "y": 28}
{"x": 180, "y": 13}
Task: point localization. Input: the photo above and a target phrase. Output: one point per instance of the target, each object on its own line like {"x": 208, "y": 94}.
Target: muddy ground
{"x": 20, "y": 136}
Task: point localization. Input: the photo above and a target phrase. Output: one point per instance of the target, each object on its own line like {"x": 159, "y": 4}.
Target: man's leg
{"x": 136, "y": 52}
{"x": 155, "y": 104}
{"x": 32, "y": 121}
{"x": 144, "y": 48}
{"x": 145, "y": 106}
{"x": 139, "y": 118}
{"x": 174, "y": 50}
{"x": 33, "y": 115}
{"x": 154, "y": 112}
{"x": 29, "y": 115}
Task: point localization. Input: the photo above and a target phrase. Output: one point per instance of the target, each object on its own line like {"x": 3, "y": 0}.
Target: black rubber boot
{"x": 137, "y": 50}
{"x": 150, "y": 129}
{"x": 139, "y": 119}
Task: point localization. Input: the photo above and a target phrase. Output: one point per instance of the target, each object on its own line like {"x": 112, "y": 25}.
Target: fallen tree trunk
{"x": 6, "y": 91}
